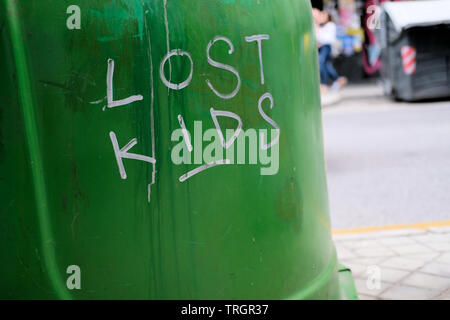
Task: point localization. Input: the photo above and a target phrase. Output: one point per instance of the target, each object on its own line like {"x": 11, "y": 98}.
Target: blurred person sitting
{"x": 325, "y": 37}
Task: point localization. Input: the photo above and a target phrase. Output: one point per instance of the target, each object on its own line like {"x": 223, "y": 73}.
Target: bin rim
{"x": 409, "y": 14}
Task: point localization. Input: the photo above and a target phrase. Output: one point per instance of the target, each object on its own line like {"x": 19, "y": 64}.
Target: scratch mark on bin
{"x": 166, "y": 23}
{"x": 152, "y": 99}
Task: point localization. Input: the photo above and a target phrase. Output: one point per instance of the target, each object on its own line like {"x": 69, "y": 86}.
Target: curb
{"x": 392, "y": 230}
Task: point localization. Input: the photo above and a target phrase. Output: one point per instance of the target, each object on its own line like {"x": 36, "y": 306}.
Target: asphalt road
{"x": 387, "y": 162}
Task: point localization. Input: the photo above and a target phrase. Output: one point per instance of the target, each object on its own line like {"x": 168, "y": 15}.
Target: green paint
{"x": 32, "y": 138}
{"x": 228, "y": 232}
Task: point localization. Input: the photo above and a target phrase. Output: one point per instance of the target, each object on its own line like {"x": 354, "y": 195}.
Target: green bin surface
{"x": 93, "y": 97}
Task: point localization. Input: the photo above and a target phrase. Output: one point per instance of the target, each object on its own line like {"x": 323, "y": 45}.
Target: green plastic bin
{"x": 109, "y": 183}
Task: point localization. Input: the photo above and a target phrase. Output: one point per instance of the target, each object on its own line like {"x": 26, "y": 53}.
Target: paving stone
{"x": 403, "y": 292}
{"x": 439, "y": 246}
{"x": 374, "y": 252}
{"x": 444, "y": 258}
{"x": 424, "y": 257}
{"x": 423, "y": 280}
{"x": 431, "y": 237}
{"x": 344, "y": 253}
{"x": 357, "y": 269}
{"x": 396, "y": 241}
{"x": 360, "y": 244}
{"x": 412, "y": 248}
{"x": 403, "y": 263}
{"x": 392, "y": 275}
{"x": 368, "y": 261}
{"x": 366, "y": 297}
{"x": 414, "y": 264}
{"x": 444, "y": 296}
{"x": 362, "y": 288}
{"x": 436, "y": 268}
{"x": 439, "y": 229}
{"x": 363, "y": 263}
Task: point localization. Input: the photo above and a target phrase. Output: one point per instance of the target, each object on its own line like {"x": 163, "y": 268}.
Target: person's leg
{"x": 329, "y": 65}
{"x": 338, "y": 82}
{"x": 322, "y": 66}
{"x": 331, "y": 71}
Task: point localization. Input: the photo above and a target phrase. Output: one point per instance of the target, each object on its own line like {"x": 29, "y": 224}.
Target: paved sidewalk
{"x": 401, "y": 264}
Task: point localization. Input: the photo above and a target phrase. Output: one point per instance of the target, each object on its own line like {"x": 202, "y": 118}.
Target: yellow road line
{"x": 421, "y": 225}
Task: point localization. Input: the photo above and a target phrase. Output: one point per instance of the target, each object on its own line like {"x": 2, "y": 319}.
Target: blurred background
{"x": 387, "y": 144}
{"x": 387, "y": 132}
